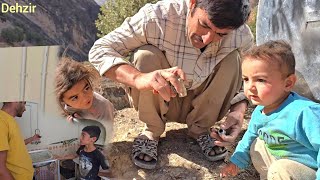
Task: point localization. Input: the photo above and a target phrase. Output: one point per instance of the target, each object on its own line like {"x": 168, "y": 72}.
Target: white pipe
{"x": 23, "y": 74}
{"x": 43, "y": 79}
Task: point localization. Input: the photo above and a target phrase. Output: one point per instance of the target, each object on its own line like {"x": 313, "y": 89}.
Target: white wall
{"x": 28, "y": 86}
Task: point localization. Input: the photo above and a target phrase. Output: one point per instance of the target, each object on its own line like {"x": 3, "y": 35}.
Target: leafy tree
{"x": 114, "y": 12}
{"x": 12, "y": 34}
{"x": 34, "y": 38}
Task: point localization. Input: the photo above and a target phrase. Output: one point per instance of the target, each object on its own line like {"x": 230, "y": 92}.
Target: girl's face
{"x": 264, "y": 84}
{"x": 80, "y": 96}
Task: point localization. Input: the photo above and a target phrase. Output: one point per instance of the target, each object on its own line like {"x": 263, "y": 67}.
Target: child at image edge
{"x": 283, "y": 136}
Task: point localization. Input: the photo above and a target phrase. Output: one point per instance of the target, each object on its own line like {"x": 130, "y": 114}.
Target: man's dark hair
{"x": 226, "y": 13}
{"x": 93, "y": 131}
{"x": 7, "y": 103}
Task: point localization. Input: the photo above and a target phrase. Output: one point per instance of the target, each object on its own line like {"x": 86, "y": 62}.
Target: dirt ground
{"x": 179, "y": 156}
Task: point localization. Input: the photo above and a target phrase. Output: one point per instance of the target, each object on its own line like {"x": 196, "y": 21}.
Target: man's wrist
{"x": 238, "y": 98}
{"x": 124, "y": 73}
{"x": 136, "y": 80}
{"x": 240, "y": 106}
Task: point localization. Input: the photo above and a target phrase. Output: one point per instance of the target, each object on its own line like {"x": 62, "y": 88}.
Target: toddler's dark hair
{"x": 278, "y": 51}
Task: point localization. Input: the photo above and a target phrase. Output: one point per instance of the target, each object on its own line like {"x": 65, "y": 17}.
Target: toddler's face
{"x": 80, "y": 96}
{"x": 263, "y": 83}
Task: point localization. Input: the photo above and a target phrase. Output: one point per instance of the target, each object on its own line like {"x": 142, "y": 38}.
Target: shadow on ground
{"x": 179, "y": 157}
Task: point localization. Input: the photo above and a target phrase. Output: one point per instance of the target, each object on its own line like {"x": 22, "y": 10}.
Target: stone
{"x": 297, "y": 22}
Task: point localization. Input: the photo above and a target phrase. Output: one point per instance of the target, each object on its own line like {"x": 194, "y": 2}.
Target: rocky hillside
{"x": 67, "y": 23}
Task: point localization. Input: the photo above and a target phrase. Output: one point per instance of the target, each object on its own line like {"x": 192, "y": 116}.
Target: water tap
{"x": 37, "y": 132}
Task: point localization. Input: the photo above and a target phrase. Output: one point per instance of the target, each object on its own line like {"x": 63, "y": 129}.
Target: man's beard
{"x": 19, "y": 114}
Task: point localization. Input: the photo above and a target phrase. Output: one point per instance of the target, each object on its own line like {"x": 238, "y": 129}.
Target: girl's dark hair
{"x": 68, "y": 73}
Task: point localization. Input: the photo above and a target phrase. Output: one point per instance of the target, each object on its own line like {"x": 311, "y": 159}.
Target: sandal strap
{"x": 145, "y": 146}
{"x": 206, "y": 143}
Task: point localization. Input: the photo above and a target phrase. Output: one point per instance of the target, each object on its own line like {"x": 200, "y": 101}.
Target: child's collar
{"x": 89, "y": 148}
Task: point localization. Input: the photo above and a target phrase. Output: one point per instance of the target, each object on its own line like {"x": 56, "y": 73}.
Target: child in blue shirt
{"x": 283, "y": 136}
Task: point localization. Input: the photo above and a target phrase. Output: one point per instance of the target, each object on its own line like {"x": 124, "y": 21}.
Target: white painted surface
{"x": 53, "y": 127}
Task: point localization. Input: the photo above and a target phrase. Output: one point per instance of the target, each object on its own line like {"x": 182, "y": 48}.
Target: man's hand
{"x": 232, "y": 125}
{"x": 229, "y": 170}
{"x": 159, "y": 81}
{"x": 36, "y": 137}
{"x": 72, "y": 117}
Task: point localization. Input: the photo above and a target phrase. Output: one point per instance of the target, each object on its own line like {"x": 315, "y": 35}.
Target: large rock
{"x": 115, "y": 93}
{"x": 298, "y": 22}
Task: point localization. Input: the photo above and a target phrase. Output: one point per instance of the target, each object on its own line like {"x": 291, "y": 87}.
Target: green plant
{"x": 34, "y": 38}
{"x": 253, "y": 20}
{"x": 114, "y": 12}
{"x": 12, "y": 34}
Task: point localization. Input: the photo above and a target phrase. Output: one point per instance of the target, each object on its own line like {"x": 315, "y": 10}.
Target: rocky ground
{"x": 179, "y": 156}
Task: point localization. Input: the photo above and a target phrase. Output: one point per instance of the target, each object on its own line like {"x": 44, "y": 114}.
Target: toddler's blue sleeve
{"x": 308, "y": 131}
{"x": 241, "y": 156}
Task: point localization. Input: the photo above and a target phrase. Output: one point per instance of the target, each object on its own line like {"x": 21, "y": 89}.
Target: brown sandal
{"x": 148, "y": 147}
{"x": 206, "y": 144}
